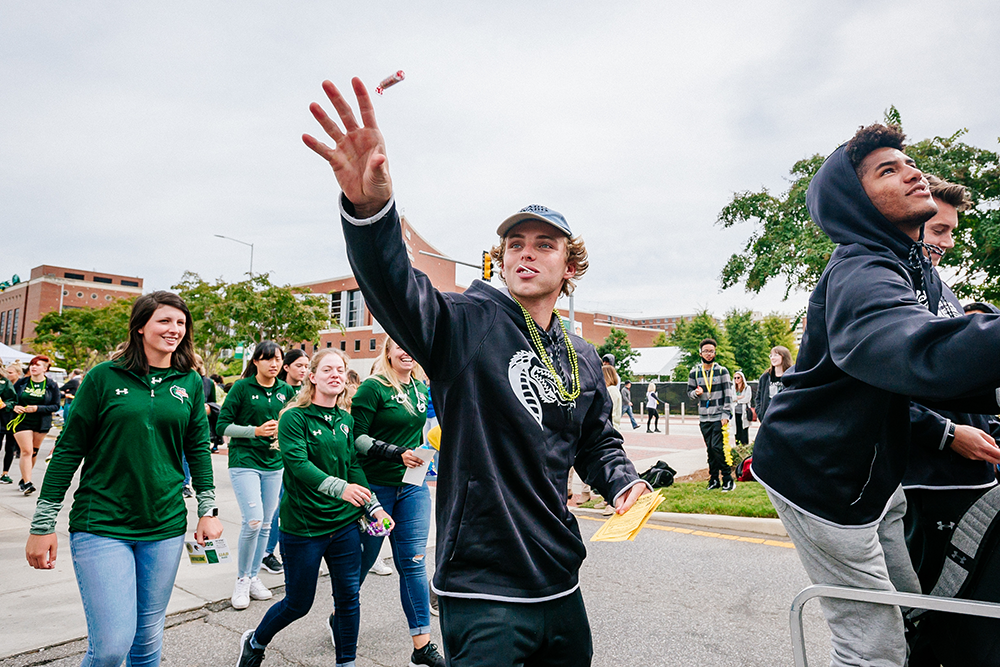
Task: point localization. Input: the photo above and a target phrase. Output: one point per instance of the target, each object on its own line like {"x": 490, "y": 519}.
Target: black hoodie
{"x": 508, "y": 439}
{"x": 834, "y": 443}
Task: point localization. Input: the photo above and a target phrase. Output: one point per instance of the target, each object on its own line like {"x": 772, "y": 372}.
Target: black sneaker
{"x": 428, "y": 655}
{"x": 728, "y": 486}
{"x": 249, "y": 656}
{"x": 272, "y": 564}
{"x": 29, "y": 488}
{"x": 714, "y": 484}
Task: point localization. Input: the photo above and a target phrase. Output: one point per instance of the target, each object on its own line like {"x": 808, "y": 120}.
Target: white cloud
{"x": 135, "y": 132}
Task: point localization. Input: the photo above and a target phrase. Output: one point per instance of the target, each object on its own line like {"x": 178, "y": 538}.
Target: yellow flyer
{"x": 622, "y": 527}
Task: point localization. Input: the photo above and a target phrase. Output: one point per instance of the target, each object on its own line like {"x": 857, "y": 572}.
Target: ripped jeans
{"x": 257, "y": 494}
{"x": 410, "y": 507}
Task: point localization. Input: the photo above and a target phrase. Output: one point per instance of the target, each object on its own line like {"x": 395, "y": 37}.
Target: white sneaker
{"x": 380, "y": 568}
{"x": 241, "y": 593}
{"x": 258, "y": 591}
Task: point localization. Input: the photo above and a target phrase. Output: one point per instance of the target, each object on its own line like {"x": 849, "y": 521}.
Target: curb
{"x": 745, "y": 524}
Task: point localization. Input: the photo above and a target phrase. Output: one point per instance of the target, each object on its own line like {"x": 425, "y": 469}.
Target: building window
{"x": 371, "y": 344}
{"x": 13, "y": 327}
{"x": 107, "y": 297}
{"x": 302, "y": 347}
{"x": 79, "y": 295}
{"x": 93, "y": 296}
{"x": 343, "y": 345}
{"x": 3, "y": 327}
{"x": 348, "y": 308}
{"x": 65, "y": 292}
{"x": 74, "y": 276}
{"x": 329, "y": 343}
{"x": 130, "y": 283}
{"x": 102, "y": 279}
{"x": 357, "y": 345}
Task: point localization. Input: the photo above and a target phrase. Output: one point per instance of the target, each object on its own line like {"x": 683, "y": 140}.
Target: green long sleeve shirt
{"x": 130, "y": 431}
{"x": 248, "y": 404}
{"x": 317, "y": 444}
{"x": 382, "y": 414}
{"x": 7, "y": 395}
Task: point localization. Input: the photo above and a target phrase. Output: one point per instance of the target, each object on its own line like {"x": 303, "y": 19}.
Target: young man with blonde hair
{"x": 520, "y": 401}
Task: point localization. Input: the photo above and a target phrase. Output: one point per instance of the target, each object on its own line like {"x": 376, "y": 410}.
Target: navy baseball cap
{"x": 535, "y": 212}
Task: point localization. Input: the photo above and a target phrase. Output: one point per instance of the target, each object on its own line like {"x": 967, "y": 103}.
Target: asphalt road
{"x": 669, "y": 598}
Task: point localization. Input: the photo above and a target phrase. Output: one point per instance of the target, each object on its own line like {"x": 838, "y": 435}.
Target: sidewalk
{"x": 43, "y": 608}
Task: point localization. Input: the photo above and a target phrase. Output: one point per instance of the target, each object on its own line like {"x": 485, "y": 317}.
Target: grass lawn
{"x": 747, "y": 499}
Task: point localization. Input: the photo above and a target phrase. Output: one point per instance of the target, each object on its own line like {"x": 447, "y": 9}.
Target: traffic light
{"x": 487, "y": 266}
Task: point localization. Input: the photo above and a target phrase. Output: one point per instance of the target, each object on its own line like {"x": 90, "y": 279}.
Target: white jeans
{"x": 863, "y": 634}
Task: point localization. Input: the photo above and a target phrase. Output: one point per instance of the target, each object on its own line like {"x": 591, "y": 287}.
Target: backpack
{"x": 741, "y": 471}
{"x": 971, "y": 572}
{"x": 659, "y": 476}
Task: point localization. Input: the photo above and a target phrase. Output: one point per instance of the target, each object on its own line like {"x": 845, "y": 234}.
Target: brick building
{"x": 363, "y": 336}
{"x": 57, "y": 288}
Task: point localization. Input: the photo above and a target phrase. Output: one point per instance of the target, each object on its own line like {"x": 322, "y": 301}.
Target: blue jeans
{"x": 410, "y": 507}
{"x": 301, "y": 557}
{"x": 272, "y": 539}
{"x": 125, "y": 586}
{"x": 627, "y": 410}
{"x": 187, "y": 470}
{"x": 257, "y": 494}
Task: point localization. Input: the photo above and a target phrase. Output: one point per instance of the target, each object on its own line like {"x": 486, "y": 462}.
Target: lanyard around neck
{"x": 708, "y": 378}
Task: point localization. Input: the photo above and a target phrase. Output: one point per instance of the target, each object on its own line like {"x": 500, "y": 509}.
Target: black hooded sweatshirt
{"x": 508, "y": 438}
{"x": 835, "y": 441}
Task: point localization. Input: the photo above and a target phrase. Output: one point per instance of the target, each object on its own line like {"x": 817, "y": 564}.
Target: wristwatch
{"x": 214, "y": 512}
{"x": 950, "y": 438}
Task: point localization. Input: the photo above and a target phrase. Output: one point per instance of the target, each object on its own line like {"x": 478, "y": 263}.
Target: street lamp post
{"x": 229, "y": 238}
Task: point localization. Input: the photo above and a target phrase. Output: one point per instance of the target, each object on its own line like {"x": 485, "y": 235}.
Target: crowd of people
{"x": 862, "y": 475}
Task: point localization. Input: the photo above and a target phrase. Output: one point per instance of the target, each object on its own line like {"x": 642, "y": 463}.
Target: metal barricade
{"x": 933, "y": 603}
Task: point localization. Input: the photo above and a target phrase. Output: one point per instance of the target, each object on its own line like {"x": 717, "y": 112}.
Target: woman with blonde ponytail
{"x": 325, "y": 494}
{"x": 389, "y": 410}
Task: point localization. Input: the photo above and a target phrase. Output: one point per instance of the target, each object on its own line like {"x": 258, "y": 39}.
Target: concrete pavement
{"x": 43, "y": 608}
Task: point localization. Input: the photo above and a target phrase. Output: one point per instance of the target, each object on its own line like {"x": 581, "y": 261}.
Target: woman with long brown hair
{"x": 132, "y": 419}
{"x": 770, "y": 382}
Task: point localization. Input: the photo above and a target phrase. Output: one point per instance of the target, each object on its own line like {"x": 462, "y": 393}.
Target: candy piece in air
{"x": 390, "y": 81}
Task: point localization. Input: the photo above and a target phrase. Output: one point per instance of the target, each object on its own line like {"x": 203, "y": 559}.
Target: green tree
{"x": 785, "y": 244}
{"x": 250, "y": 311}
{"x": 779, "y": 330}
{"x": 617, "y": 344}
{"x": 661, "y": 340}
{"x": 83, "y": 337}
{"x": 749, "y": 342}
{"x": 688, "y": 335}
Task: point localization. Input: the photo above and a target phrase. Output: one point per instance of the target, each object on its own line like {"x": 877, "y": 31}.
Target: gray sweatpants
{"x": 863, "y": 634}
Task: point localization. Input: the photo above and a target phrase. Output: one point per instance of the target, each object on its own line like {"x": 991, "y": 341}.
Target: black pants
{"x": 652, "y": 414}
{"x": 742, "y": 429}
{"x": 480, "y": 633}
{"x": 712, "y": 433}
{"x": 10, "y": 445}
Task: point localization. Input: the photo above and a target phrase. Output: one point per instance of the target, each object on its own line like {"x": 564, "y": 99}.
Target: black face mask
{"x": 707, "y": 361}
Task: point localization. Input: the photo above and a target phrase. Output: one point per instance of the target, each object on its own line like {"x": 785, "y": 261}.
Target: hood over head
{"x": 839, "y": 205}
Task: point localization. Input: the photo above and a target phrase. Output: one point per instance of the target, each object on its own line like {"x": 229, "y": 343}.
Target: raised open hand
{"x": 358, "y": 158}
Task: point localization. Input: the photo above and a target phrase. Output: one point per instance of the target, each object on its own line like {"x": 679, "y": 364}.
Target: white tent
{"x": 9, "y": 355}
{"x": 656, "y": 361}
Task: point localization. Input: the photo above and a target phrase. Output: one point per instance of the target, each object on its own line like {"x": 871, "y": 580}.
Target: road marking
{"x": 706, "y": 533}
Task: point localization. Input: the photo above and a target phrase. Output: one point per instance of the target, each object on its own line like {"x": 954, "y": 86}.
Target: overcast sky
{"x": 132, "y": 132}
